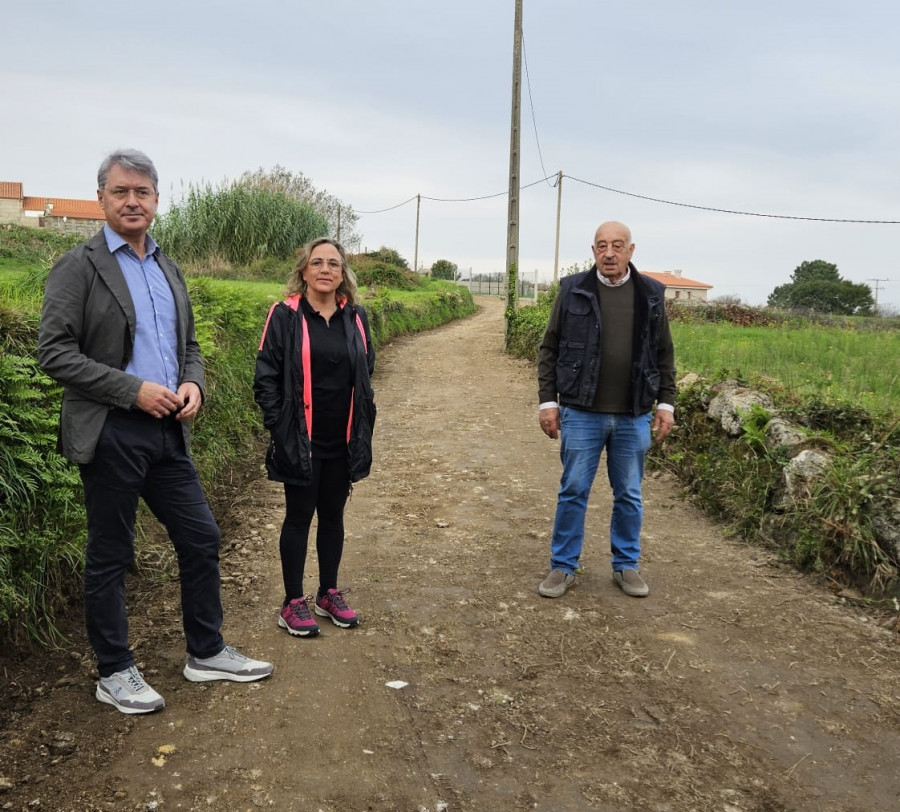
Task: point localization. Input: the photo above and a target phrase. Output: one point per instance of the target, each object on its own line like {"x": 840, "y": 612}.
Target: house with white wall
{"x": 679, "y": 287}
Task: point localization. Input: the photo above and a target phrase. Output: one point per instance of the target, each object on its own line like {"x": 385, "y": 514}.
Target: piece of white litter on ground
{"x": 369, "y": 752}
{"x": 396, "y": 684}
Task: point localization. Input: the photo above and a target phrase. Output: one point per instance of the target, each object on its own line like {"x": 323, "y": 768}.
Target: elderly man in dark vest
{"x": 605, "y": 361}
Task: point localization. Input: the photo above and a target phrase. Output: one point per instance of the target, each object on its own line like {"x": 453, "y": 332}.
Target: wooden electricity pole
{"x": 416, "y": 251}
{"x": 512, "y": 233}
{"x": 558, "y": 208}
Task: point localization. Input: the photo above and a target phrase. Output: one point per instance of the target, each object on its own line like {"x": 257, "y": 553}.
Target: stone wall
{"x": 70, "y": 225}
{"x": 806, "y": 459}
{"x": 10, "y": 211}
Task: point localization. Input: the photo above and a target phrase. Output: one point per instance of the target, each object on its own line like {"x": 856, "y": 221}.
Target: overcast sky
{"x": 788, "y": 108}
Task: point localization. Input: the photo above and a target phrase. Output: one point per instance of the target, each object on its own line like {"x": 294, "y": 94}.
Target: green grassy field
{"x": 10, "y": 271}
{"x": 856, "y": 366}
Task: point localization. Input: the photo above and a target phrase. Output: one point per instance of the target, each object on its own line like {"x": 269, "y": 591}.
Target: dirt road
{"x": 737, "y": 685}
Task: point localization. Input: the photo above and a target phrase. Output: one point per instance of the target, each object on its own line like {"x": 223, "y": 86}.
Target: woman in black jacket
{"x": 313, "y": 385}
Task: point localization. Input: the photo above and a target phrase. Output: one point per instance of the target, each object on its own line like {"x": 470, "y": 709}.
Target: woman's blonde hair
{"x": 297, "y": 284}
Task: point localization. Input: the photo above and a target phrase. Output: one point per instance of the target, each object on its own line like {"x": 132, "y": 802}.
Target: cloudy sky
{"x": 788, "y": 109}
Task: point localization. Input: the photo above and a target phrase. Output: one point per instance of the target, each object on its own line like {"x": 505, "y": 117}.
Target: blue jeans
{"x": 584, "y": 436}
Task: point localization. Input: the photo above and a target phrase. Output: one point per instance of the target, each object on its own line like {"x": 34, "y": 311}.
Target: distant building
{"x": 10, "y": 202}
{"x": 83, "y": 217}
{"x": 679, "y": 287}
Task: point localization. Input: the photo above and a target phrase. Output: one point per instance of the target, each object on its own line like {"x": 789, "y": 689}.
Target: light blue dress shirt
{"x": 155, "y": 355}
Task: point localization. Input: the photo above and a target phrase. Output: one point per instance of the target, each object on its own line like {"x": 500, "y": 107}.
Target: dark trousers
{"x": 139, "y": 456}
{"x": 325, "y": 496}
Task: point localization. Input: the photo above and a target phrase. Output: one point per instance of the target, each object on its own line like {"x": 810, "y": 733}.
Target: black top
{"x": 331, "y": 382}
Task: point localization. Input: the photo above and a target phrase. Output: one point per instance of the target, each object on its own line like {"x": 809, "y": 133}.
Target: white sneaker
{"x": 230, "y": 664}
{"x": 127, "y": 691}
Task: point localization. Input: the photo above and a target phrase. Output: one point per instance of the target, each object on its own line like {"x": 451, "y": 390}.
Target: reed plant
{"x": 236, "y": 223}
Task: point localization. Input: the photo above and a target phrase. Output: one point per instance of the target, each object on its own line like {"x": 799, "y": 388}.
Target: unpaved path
{"x": 737, "y": 685}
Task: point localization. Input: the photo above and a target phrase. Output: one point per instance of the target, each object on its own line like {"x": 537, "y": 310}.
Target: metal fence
{"x": 495, "y": 284}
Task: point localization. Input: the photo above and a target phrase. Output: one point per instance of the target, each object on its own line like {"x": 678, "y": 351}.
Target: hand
{"x": 190, "y": 396}
{"x": 663, "y": 421}
{"x": 550, "y": 422}
{"x": 157, "y": 400}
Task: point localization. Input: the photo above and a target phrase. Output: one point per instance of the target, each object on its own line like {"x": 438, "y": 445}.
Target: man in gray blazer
{"x": 117, "y": 330}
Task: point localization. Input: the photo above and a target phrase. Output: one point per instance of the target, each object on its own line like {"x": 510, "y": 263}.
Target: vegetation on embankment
{"x": 42, "y": 526}
{"x": 838, "y": 380}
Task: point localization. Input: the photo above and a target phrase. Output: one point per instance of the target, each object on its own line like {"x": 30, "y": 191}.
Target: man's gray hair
{"x": 131, "y": 159}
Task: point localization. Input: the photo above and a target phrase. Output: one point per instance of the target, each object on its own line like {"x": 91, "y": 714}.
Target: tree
{"x": 445, "y": 269}
{"x": 817, "y": 286}
{"x": 341, "y": 217}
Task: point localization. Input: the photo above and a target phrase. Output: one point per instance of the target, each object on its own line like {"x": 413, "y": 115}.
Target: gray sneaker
{"x": 631, "y": 583}
{"x": 229, "y": 664}
{"x": 127, "y": 692}
{"x": 556, "y": 584}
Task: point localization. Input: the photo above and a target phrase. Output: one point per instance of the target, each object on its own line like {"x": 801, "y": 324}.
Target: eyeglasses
{"x": 122, "y": 192}
{"x": 318, "y": 263}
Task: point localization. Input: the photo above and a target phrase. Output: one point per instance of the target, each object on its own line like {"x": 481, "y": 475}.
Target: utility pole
{"x": 558, "y": 208}
{"x": 416, "y": 252}
{"x": 876, "y": 281}
{"x": 512, "y": 233}
{"x": 339, "y": 222}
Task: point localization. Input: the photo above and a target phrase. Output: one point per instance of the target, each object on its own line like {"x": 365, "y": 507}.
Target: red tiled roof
{"x": 671, "y": 280}
{"x": 64, "y": 207}
{"x": 10, "y": 190}
{"x": 35, "y": 203}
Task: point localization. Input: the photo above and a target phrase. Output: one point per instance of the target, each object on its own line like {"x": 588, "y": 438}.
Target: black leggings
{"x": 325, "y": 497}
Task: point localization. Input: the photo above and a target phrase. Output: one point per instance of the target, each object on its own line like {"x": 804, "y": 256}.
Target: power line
{"x": 450, "y": 199}
{"x": 731, "y": 211}
{"x": 531, "y": 105}
{"x": 389, "y": 208}
{"x": 464, "y": 199}
{"x": 640, "y": 197}
{"x": 483, "y": 197}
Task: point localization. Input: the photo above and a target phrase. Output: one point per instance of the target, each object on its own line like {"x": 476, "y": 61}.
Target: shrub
{"x": 34, "y": 246}
{"x": 373, "y": 273}
{"x": 41, "y": 520}
{"x": 526, "y": 325}
{"x": 390, "y": 256}
{"x": 392, "y": 313}
{"x": 444, "y": 269}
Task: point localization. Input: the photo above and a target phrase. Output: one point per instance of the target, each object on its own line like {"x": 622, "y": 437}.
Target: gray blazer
{"x": 86, "y": 338}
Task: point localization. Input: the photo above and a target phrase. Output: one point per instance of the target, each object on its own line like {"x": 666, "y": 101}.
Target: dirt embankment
{"x": 737, "y": 685}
